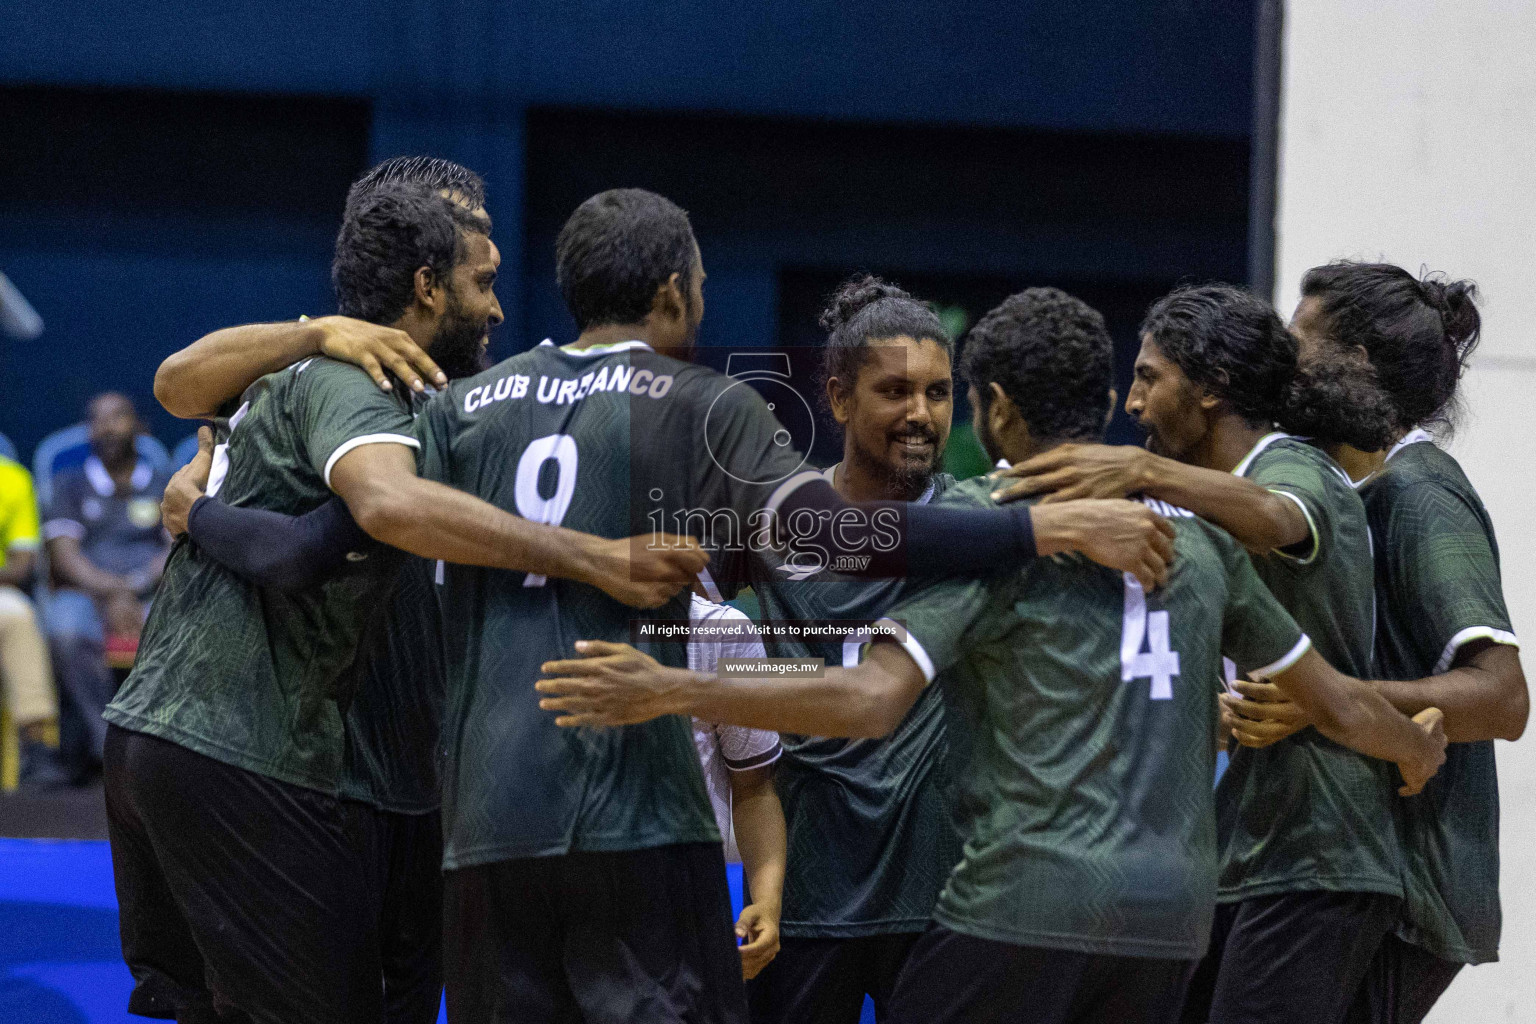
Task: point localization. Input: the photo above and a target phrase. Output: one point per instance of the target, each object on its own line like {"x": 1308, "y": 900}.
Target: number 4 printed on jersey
{"x": 1158, "y": 662}
{"x": 533, "y": 506}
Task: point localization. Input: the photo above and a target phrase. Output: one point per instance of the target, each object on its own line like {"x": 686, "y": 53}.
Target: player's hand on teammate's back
{"x": 610, "y": 684}
{"x": 646, "y": 570}
{"x": 1071, "y": 471}
{"x": 187, "y": 485}
{"x": 758, "y": 927}
{"x": 379, "y": 350}
{"x": 1417, "y": 773}
{"x": 1120, "y": 534}
{"x": 1261, "y": 714}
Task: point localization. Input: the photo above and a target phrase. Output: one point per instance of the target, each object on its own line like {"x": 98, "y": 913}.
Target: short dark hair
{"x": 1230, "y": 343}
{"x": 429, "y": 172}
{"x": 90, "y": 403}
{"x": 1052, "y": 355}
{"x": 390, "y": 233}
{"x": 865, "y": 308}
{"x": 616, "y": 250}
{"x": 1418, "y": 333}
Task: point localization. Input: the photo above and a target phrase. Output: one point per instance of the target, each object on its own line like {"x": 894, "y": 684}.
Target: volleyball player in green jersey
{"x": 1311, "y": 868}
{"x": 226, "y": 738}
{"x": 1086, "y": 705}
{"x": 871, "y": 839}
{"x": 620, "y": 816}
{"x": 606, "y": 433}
{"x": 392, "y": 725}
{"x": 1442, "y": 630}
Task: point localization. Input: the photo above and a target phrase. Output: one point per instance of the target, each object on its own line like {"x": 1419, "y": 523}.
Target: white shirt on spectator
{"x": 726, "y": 748}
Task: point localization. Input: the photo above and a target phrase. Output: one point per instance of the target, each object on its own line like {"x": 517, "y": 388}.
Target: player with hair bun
{"x": 870, "y": 839}
{"x": 1083, "y": 706}
{"x": 1443, "y": 633}
{"x": 1310, "y": 866}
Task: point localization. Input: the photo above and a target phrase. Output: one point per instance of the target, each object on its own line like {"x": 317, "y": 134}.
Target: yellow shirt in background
{"x": 18, "y": 510}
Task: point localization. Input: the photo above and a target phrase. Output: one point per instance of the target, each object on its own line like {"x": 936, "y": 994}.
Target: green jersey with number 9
{"x": 614, "y": 441}
{"x": 1087, "y": 712}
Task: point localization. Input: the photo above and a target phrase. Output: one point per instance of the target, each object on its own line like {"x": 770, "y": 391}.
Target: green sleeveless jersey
{"x": 253, "y": 677}
{"x": 616, "y": 442}
{"x": 1438, "y": 587}
{"x": 1307, "y": 813}
{"x": 1086, "y": 709}
{"x": 871, "y": 839}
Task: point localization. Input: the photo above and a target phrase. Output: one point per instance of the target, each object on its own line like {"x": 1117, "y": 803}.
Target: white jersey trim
{"x": 1414, "y": 436}
{"x": 358, "y": 442}
{"x": 1241, "y": 469}
{"x": 1317, "y": 543}
{"x": 1498, "y": 636}
{"x": 53, "y": 529}
{"x": 789, "y": 487}
{"x": 914, "y": 649}
{"x": 711, "y": 591}
{"x": 102, "y": 483}
{"x": 1291, "y": 657}
{"x": 597, "y": 350}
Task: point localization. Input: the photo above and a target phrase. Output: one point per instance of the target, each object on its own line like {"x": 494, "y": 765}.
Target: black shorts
{"x": 1292, "y": 958}
{"x": 1402, "y": 984}
{"x": 952, "y": 978}
{"x": 632, "y": 937}
{"x": 402, "y": 856}
{"x": 824, "y": 981}
{"x": 239, "y": 896}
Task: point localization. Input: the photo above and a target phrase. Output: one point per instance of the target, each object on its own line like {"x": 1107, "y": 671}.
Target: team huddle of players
{"x": 385, "y": 732}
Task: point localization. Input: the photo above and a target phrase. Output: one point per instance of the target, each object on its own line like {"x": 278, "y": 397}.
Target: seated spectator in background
{"x": 107, "y": 549}
{"x": 26, "y": 681}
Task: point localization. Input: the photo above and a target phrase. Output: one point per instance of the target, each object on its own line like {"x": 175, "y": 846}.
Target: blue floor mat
{"x": 60, "y": 961}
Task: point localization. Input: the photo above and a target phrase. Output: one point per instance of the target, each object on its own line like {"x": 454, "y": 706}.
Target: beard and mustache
{"x": 458, "y": 344}
{"x": 909, "y": 476}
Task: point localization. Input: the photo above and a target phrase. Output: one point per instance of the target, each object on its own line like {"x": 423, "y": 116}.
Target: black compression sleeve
{"x": 905, "y": 537}
{"x": 274, "y": 550}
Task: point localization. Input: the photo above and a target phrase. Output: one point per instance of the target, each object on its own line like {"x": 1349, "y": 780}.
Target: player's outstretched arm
{"x": 614, "y": 684}
{"x": 1259, "y": 519}
{"x": 286, "y": 553}
{"x": 395, "y": 506}
{"x": 758, "y": 818}
{"x": 1352, "y": 713}
{"x": 194, "y": 382}
{"x": 1484, "y": 697}
{"x": 947, "y": 539}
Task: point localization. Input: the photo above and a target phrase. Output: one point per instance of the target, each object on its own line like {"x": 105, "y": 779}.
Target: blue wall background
{"x": 168, "y": 169}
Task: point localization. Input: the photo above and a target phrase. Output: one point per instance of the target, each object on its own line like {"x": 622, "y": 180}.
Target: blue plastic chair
{"x": 71, "y": 446}
{"x": 184, "y": 451}
{"x": 8, "y": 449}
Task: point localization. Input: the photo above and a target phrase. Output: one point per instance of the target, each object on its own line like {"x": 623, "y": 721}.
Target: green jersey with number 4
{"x": 1307, "y": 813}
{"x": 248, "y": 676}
{"x": 1087, "y": 708}
{"x": 614, "y": 441}
{"x": 1438, "y": 588}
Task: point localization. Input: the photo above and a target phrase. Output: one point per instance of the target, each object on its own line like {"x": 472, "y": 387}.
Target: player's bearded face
{"x": 899, "y": 413}
{"x": 458, "y": 344}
